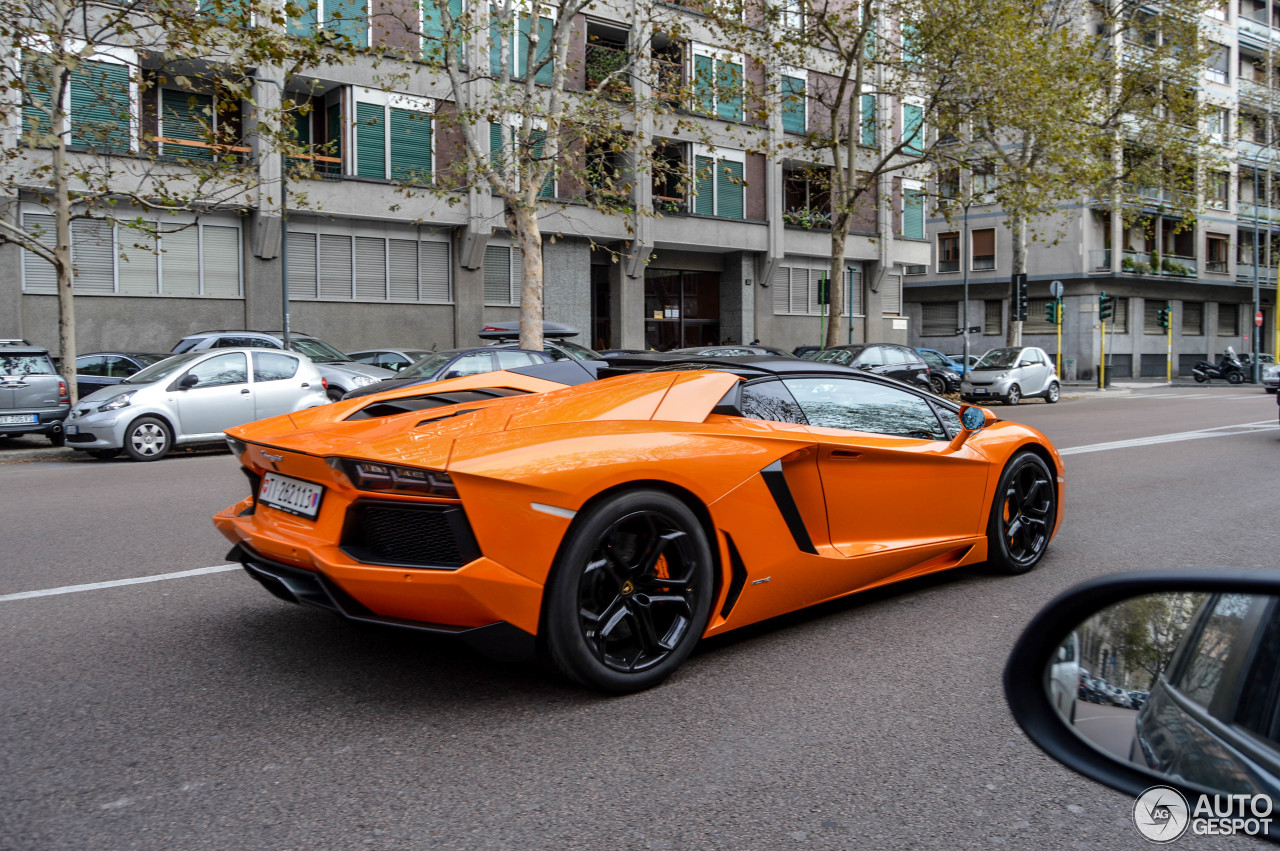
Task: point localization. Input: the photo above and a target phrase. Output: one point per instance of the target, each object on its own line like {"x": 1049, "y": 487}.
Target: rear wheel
{"x": 1022, "y": 515}
{"x": 630, "y": 593}
{"x": 147, "y": 439}
{"x": 1200, "y": 377}
{"x": 58, "y": 438}
{"x": 1015, "y": 395}
{"x": 335, "y": 394}
{"x": 938, "y": 384}
{"x": 1053, "y": 394}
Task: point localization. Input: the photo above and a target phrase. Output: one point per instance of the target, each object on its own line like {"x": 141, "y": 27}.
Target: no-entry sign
{"x": 1257, "y": 319}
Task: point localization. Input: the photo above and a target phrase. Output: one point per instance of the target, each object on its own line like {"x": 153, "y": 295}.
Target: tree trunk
{"x": 522, "y": 220}
{"x": 836, "y": 278}
{"x": 1018, "y": 225}
{"x": 62, "y": 248}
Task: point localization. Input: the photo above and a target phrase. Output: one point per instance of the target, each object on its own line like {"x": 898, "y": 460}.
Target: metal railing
{"x": 1165, "y": 265}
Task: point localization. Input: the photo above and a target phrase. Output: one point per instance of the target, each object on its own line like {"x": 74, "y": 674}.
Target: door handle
{"x": 845, "y": 454}
{"x": 305, "y": 384}
{"x": 245, "y": 391}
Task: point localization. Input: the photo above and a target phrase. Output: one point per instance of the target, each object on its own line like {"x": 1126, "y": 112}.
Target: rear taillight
{"x": 324, "y": 382}
{"x": 63, "y": 395}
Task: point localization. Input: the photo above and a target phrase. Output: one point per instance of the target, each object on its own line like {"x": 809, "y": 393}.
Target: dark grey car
{"x": 33, "y": 397}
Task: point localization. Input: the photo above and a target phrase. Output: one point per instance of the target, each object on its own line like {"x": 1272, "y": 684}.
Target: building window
{"x": 1036, "y": 323}
{"x": 791, "y": 15}
{"x": 867, "y": 122}
{"x": 392, "y": 136}
{"x": 1228, "y": 320}
{"x": 1119, "y": 316}
{"x": 717, "y": 83}
{"x": 502, "y": 136}
{"x": 949, "y": 184}
{"x": 1219, "y": 67}
{"x": 1219, "y": 190}
{"x": 913, "y": 129}
{"x": 98, "y": 103}
{"x": 939, "y": 319}
{"x": 992, "y": 317}
{"x": 807, "y": 201}
{"x": 347, "y": 18}
{"x": 1151, "y": 316}
{"x": 1193, "y": 319}
{"x": 433, "y": 29}
{"x": 343, "y": 267}
{"x": 1219, "y": 125}
{"x": 912, "y": 213}
{"x": 797, "y": 288}
{"x": 503, "y": 275}
{"x": 518, "y": 47}
{"x": 719, "y": 183}
{"x": 983, "y": 244}
{"x": 949, "y": 252}
{"x": 1217, "y": 251}
{"x": 794, "y": 109}
{"x": 188, "y": 259}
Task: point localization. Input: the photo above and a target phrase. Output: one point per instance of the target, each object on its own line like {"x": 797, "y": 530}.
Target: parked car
{"x": 392, "y": 359}
{"x": 33, "y": 398}
{"x": 554, "y": 340}
{"x": 731, "y": 351}
{"x": 887, "y": 359}
{"x": 806, "y": 352}
{"x": 104, "y": 369}
{"x": 955, "y": 363}
{"x": 1011, "y": 374}
{"x": 1271, "y": 378}
{"x": 453, "y": 363}
{"x": 1064, "y": 677}
{"x": 1137, "y": 699}
{"x": 190, "y": 398}
{"x": 584, "y": 525}
{"x": 339, "y": 371}
{"x": 942, "y": 372}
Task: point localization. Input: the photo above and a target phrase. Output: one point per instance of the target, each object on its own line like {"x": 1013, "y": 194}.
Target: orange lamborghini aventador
{"x": 609, "y": 525}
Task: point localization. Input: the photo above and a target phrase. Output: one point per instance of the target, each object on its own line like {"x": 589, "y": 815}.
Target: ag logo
{"x": 1161, "y": 814}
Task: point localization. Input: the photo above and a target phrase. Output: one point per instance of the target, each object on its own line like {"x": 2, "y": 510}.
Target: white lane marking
{"x": 94, "y": 586}
{"x": 1219, "y": 431}
{"x": 1191, "y": 396}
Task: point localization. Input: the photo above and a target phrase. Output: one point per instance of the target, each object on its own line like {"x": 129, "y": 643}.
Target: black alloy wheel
{"x": 1015, "y": 395}
{"x": 1022, "y": 516}
{"x": 1200, "y": 377}
{"x": 1235, "y": 377}
{"x": 630, "y": 594}
{"x": 335, "y": 394}
{"x": 938, "y": 383}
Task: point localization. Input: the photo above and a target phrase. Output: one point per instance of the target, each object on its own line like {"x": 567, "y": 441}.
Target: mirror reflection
{"x": 1182, "y": 684}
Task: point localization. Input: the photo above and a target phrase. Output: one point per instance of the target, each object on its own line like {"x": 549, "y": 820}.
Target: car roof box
{"x": 511, "y": 330}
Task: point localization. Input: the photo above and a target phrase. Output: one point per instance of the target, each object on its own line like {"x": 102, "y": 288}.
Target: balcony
{"x": 1169, "y": 265}
{"x": 1257, "y": 29}
{"x": 1247, "y": 213}
{"x": 606, "y": 67}
{"x": 1100, "y": 261}
{"x": 1258, "y": 92}
{"x": 667, "y": 205}
{"x": 1251, "y": 150}
{"x": 670, "y": 81}
{"x": 1245, "y": 271}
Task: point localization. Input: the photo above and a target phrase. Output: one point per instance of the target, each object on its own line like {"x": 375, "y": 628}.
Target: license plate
{"x": 981, "y": 391}
{"x": 18, "y": 419}
{"x": 72, "y": 429}
{"x": 291, "y": 495}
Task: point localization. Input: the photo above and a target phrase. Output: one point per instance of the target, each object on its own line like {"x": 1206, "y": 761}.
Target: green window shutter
{"x": 793, "y": 105}
{"x": 520, "y": 61}
{"x": 233, "y": 12}
{"x": 704, "y": 84}
{"x": 305, "y": 24}
{"x": 302, "y": 128}
{"x": 36, "y": 97}
{"x": 371, "y": 141}
{"x": 705, "y": 180}
{"x": 729, "y": 190}
{"x": 912, "y": 214}
{"x": 729, "y": 90}
{"x": 495, "y": 48}
{"x": 410, "y": 146}
{"x": 545, "y": 28}
{"x": 539, "y": 142}
{"x": 100, "y": 105}
{"x": 188, "y": 116}
{"x": 432, "y": 31}
{"x": 868, "y": 136}
{"x": 913, "y": 129}
{"x": 333, "y": 146}
{"x": 349, "y": 19}
{"x": 495, "y": 146}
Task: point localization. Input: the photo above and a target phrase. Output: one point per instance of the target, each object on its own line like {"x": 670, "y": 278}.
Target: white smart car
{"x": 190, "y": 398}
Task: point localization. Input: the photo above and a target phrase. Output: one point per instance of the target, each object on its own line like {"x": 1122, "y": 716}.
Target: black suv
{"x": 887, "y": 359}
{"x": 33, "y": 397}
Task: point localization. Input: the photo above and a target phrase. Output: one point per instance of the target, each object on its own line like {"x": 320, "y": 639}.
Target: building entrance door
{"x": 681, "y": 309}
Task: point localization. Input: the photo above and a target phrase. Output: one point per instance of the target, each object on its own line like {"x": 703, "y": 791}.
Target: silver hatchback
{"x": 190, "y": 398}
{"x": 1011, "y": 375}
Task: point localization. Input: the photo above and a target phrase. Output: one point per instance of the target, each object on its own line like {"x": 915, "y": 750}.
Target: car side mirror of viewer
{"x": 1165, "y": 677}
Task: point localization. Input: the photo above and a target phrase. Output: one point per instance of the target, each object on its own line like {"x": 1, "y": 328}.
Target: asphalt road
{"x": 201, "y": 713}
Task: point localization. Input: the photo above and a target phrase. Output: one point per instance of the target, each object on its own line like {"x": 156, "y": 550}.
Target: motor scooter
{"x": 1228, "y": 368}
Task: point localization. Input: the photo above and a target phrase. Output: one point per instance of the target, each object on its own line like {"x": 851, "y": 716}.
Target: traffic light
{"x": 1104, "y": 305}
{"x": 1164, "y": 316}
{"x": 1051, "y": 312}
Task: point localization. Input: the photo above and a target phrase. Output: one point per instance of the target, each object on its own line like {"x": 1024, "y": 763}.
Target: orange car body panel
{"x": 524, "y": 465}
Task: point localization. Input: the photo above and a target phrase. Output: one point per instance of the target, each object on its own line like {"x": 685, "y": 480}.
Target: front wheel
{"x": 938, "y": 383}
{"x": 1053, "y": 394}
{"x": 1022, "y": 515}
{"x": 1015, "y": 395}
{"x": 1235, "y": 377}
{"x": 147, "y": 439}
{"x": 630, "y": 592}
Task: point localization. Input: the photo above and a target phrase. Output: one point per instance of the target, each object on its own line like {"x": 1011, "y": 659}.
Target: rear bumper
{"x": 499, "y": 640}
{"x": 47, "y": 422}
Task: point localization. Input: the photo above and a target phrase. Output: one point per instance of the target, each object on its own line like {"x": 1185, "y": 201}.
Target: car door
{"x": 276, "y": 386}
{"x": 1034, "y": 375}
{"x": 470, "y": 364}
{"x": 220, "y": 398}
{"x": 872, "y": 359}
{"x": 91, "y": 374}
{"x": 890, "y": 479}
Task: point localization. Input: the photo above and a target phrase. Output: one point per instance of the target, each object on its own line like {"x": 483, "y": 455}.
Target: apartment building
{"x": 1205, "y": 271}
{"x": 732, "y": 258}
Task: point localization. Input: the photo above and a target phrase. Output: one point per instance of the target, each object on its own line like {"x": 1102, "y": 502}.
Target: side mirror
{"x": 188, "y": 381}
{"x": 972, "y": 418}
{"x": 452, "y": 374}
{"x": 1187, "y": 660}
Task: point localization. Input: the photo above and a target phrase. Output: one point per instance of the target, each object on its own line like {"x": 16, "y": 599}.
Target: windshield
{"x": 148, "y": 360}
{"x": 842, "y": 357}
{"x": 318, "y": 350}
{"x": 428, "y": 366}
{"x": 26, "y": 365}
{"x": 999, "y": 359}
{"x": 162, "y": 370}
{"x": 577, "y": 351}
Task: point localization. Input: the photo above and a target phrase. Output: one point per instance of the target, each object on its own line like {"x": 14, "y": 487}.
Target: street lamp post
{"x": 284, "y": 227}
{"x": 1256, "y": 334}
{"x": 964, "y": 260}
